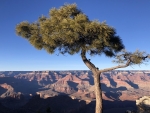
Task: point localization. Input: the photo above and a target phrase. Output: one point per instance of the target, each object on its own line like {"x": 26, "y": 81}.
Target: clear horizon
{"x": 75, "y": 70}
{"x": 129, "y": 18}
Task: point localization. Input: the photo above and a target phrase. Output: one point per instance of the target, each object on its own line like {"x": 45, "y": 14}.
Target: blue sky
{"x": 130, "y": 18}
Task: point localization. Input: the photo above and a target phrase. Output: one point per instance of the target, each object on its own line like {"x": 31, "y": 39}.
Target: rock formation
{"x": 116, "y": 85}
{"x": 143, "y": 104}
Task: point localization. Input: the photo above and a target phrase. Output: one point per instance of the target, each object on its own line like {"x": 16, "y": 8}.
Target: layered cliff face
{"x": 67, "y": 84}
{"x": 127, "y": 79}
{"x": 39, "y": 76}
{"x": 10, "y": 92}
{"x": 116, "y": 85}
{"x": 10, "y": 98}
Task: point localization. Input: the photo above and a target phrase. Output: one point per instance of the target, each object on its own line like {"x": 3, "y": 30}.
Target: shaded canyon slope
{"x": 78, "y": 84}
{"x": 116, "y": 85}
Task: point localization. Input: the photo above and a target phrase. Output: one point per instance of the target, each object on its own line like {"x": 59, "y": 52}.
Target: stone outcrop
{"x": 143, "y": 104}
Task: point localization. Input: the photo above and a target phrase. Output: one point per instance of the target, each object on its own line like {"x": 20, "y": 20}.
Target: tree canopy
{"x": 69, "y": 30}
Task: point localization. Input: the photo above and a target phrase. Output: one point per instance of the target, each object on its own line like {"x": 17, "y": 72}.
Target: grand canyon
{"x": 71, "y": 91}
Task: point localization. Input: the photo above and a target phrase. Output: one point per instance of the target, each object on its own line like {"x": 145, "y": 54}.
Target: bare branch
{"x": 116, "y": 67}
{"x": 134, "y": 58}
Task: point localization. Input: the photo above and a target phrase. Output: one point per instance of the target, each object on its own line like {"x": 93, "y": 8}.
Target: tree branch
{"x": 145, "y": 57}
{"x": 87, "y": 62}
{"x": 116, "y": 67}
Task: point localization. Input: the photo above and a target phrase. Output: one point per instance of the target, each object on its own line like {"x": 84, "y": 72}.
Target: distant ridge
{"x": 66, "y": 70}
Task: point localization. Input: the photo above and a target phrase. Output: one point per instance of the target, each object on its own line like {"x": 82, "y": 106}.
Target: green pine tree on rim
{"x": 69, "y": 30}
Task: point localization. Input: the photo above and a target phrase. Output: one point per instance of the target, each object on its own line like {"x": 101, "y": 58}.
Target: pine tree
{"x": 69, "y": 30}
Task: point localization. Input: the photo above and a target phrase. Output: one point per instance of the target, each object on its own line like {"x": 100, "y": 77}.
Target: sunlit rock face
{"x": 116, "y": 85}
{"x": 143, "y": 104}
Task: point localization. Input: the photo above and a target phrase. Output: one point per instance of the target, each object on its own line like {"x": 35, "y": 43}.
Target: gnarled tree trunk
{"x": 98, "y": 93}
{"x": 96, "y": 75}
